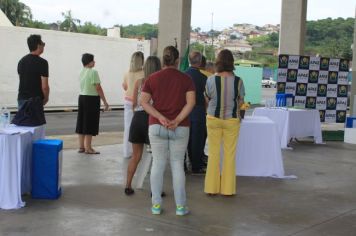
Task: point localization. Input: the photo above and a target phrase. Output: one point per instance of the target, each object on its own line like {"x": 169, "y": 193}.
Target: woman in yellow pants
{"x": 224, "y": 93}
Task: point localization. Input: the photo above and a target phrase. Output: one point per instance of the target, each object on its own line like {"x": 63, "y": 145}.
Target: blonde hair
{"x": 152, "y": 65}
{"x": 137, "y": 60}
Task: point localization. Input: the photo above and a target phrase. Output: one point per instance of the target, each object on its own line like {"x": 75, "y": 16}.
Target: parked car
{"x": 268, "y": 82}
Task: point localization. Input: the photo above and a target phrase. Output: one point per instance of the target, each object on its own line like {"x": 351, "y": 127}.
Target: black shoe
{"x": 129, "y": 191}
{"x": 198, "y": 172}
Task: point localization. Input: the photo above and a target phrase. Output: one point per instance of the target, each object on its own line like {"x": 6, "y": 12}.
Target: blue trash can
{"x": 351, "y": 122}
{"x": 46, "y": 169}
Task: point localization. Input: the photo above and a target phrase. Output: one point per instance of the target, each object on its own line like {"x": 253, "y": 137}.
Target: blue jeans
{"x": 166, "y": 143}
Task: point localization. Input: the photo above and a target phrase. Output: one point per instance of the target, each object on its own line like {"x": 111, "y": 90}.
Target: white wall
{"x": 63, "y": 52}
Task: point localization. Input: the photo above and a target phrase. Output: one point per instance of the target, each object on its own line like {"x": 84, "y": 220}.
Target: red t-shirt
{"x": 168, "y": 88}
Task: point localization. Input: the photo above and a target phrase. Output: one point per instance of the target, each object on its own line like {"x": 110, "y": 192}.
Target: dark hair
{"x": 170, "y": 55}
{"x": 203, "y": 62}
{"x": 224, "y": 61}
{"x": 87, "y": 58}
{"x": 152, "y": 65}
{"x": 33, "y": 41}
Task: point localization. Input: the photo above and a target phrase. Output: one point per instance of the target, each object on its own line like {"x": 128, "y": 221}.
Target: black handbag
{"x": 31, "y": 113}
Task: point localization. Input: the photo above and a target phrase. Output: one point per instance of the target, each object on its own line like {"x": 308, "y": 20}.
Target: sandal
{"x": 129, "y": 191}
{"x": 81, "y": 150}
{"x": 92, "y": 151}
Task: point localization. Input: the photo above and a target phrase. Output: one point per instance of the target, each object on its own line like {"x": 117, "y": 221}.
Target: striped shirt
{"x": 223, "y": 94}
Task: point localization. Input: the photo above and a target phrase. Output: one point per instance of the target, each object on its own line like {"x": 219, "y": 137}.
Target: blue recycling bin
{"x": 46, "y": 168}
{"x": 351, "y": 122}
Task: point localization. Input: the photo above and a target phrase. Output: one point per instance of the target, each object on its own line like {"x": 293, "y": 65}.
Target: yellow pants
{"x": 226, "y": 132}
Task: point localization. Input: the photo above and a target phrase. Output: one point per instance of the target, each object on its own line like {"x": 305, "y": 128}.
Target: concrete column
{"x": 174, "y": 24}
{"x": 293, "y": 30}
{"x": 353, "y": 86}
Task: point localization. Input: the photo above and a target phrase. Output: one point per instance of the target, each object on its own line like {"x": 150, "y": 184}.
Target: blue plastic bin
{"x": 351, "y": 122}
{"x": 46, "y": 169}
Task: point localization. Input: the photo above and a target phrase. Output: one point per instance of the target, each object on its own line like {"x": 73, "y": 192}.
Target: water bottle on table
{"x": 4, "y": 117}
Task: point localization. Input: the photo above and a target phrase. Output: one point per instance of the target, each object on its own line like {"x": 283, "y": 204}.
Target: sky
{"x": 206, "y": 14}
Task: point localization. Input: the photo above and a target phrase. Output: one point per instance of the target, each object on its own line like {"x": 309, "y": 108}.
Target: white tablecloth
{"x": 15, "y": 163}
{"x": 293, "y": 123}
{"x": 258, "y": 150}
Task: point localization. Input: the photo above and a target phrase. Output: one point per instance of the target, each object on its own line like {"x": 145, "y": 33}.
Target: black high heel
{"x": 129, "y": 191}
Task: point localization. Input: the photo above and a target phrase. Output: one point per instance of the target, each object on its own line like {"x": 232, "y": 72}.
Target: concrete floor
{"x": 322, "y": 201}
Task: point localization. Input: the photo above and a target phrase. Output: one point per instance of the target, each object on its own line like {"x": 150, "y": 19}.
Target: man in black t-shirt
{"x": 33, "y": 72}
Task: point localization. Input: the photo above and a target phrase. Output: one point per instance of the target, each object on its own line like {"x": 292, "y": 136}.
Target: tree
{"x": 90, "y": 28}
{"x": 17, "y": 12}
{"x": 69, "y": 23}
{"x": 207, "y": 49}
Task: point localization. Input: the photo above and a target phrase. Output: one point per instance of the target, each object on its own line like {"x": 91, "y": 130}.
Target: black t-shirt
{"x": 30, "y": 70}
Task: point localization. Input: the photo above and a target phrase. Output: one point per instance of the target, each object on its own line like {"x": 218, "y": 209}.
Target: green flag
{"x": 184, "y": 64}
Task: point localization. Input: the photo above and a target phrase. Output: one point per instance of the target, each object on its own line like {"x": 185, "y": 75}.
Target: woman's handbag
{"x": 31, "y": 113}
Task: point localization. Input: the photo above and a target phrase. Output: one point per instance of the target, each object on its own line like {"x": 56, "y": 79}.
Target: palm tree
{"x": 69, "y": 23}
{"x": 18, "y": 13}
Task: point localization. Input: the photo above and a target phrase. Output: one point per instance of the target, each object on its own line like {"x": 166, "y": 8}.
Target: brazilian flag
{"x": 184, "y": 64}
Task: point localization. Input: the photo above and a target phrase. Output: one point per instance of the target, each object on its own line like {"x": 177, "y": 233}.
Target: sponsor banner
{"x": 290, "y": 88}
{"x": 310, "y": 102}
{"x": 344, "y": 65}
{"x": 293, "y": 62}
{"x": 313, "y": 76}
{"x": 282, "y": 75}
{"x": 341, "y": 104}
{"x": 299, "y": 101}
{"x": 281, "y": 87}
{"x": 342, "y": 77}
{"x": 304, "y": 62}
{"x": 334, "y": 64}
{"x": 312, "y": 90}
{"x": 321, "y": 103}
{"x": 331, "y": 103}
{"x": 283, "y": 61}
{"x": 303, "y": 76}
{"x": 323, "y": 77}
{"x": 314, "y": 63}
{"x": 340, "y": 116}
{"x": 330, "y": 116}
{"x": 332, "y": 90}
{"x": 317, "y": 83}
{"x": 301, "y": 89}
{"x": 342, "y": 90}
{"x": 292, "y": 75}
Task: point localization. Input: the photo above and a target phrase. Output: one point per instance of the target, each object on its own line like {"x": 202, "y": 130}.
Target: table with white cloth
{"x": 258, "y": 149}
{"x": 15, "y": 163}
{"x": 293, "y": 123}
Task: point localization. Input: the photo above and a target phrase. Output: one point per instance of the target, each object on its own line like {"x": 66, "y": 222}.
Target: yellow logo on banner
{"x": 304, "y": 62}
{"x": 333, "y": 77}
{"x": 311, "y": 102}
{"x": 314, "y": 76}
{"x": 324, "y": 63}
{"x": 331, "y": 102}
{"x": 343, "y": 90}
{"x": 283, "y": 61}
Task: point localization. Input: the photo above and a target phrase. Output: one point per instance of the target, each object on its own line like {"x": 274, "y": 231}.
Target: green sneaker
{"x": 181, "y": 210}
{"x": 156, "y": 209}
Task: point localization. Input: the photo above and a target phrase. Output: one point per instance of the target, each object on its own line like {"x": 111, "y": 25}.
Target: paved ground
{"x": 320, "y": 202}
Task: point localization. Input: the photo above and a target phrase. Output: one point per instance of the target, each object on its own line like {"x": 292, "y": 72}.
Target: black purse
{"x": 31, "y": 113}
